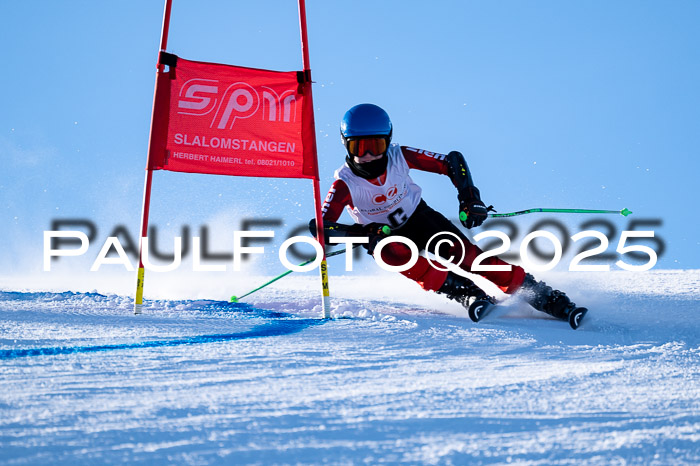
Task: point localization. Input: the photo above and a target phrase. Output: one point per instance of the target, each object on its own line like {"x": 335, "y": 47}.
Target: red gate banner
{"x": 229, "y": 120}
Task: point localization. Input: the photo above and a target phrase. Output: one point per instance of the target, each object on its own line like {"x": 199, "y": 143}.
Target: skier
{"x": 375, "y": 186}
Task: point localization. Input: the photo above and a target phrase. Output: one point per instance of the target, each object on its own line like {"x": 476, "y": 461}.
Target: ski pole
{"x": 235, "y": 299}
{"x": 336, "y": 227}
{"x": 625, "y": 212}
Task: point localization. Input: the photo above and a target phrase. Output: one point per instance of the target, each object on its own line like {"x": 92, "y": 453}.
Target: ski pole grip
{"x": 386, "y": 230}
{"x": 463, "y": 216}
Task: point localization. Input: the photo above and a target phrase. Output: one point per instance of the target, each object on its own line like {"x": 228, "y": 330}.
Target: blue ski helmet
{"x": 365, "y": 120}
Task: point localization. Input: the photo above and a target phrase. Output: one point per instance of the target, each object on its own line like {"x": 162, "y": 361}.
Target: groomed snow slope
{"x": 404, "y": 377}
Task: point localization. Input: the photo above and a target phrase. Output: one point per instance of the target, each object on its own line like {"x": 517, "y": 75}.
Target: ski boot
{"x": 550, "y": 301}
{"x": 468, "y": 294}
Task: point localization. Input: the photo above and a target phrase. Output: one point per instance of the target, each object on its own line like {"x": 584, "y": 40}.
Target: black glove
{"x": 333, "y": 229}
{"x": 470, "y": 204}
{"x": 376, "y": 232}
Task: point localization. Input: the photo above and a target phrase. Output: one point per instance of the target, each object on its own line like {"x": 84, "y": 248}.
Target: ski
{"x": 576, "y": 315}
{"x": 482, "y": 307}
{"x": 479, "y": 308}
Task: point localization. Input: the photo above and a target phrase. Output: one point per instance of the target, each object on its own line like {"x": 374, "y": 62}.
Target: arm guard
{"x": 458, "y": 171}
{"x": 470, "y": 205}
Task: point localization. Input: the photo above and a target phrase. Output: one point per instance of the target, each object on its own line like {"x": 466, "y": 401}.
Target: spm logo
{"x": 239, "y": 100}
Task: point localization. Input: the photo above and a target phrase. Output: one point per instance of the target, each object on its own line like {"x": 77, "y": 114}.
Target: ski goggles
{"x": 358, "y": 147}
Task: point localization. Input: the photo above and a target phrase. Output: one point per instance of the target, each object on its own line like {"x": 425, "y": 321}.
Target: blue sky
{"x": 554, "y": 104}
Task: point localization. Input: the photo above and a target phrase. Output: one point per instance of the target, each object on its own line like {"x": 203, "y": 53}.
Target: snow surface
{"x": 399, "y": 376}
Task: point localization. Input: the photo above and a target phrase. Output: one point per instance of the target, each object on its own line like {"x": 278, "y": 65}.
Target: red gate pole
{"x": 317, "y": 190}
{"x": 138, "y": 301}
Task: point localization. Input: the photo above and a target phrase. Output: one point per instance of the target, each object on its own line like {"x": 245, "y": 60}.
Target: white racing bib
{"x": 391, "y": 203}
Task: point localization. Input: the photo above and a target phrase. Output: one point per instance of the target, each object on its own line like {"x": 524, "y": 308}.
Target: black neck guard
{"x": 368, "y": 170}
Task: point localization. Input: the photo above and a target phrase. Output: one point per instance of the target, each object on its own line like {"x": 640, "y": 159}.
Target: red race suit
{"x": 395, "y": 200}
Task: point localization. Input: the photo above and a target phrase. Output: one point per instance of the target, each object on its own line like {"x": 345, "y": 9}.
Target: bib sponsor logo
{"x": 380, "y": 199}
